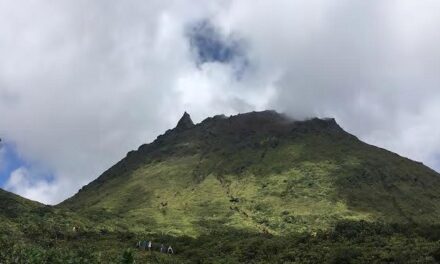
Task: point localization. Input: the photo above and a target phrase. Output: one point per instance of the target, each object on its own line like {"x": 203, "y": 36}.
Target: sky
{"x": 82, "y": 82}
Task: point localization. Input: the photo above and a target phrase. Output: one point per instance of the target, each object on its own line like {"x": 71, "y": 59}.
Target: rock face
{"x": 185, "y": 122}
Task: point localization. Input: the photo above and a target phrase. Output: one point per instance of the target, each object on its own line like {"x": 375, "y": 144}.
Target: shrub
{"x": 127, "y": 257}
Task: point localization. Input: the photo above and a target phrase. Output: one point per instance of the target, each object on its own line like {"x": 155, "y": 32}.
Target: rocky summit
{"x": 185, "y": 122}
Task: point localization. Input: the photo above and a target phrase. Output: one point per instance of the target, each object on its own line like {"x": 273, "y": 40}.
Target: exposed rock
{"x": 185, "y": 122}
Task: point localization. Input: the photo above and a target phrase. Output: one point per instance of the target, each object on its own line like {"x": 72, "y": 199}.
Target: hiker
{"x": 170, "y": 250}
{"x": 144, "y": 245}
{"x": 162, "y": 248}
{"x": 149, "y": 245}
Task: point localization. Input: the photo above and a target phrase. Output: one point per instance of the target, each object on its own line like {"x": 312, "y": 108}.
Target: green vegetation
{"x": 347, "y": 242}
{"x": 252, "y": 188}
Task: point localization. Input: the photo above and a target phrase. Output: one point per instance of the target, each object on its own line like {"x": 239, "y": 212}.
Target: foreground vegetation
{"x": 348, "y": 242}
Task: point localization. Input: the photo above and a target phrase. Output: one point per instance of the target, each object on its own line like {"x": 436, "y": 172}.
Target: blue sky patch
{"x": 9, "y": 161}
{"x": 208, "y": 44}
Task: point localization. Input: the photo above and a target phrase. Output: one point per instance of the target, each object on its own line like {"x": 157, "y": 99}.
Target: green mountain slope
{"x": 23, "y": 218}
{"x": 258, "y": 172}
{"x": 13, "y": 205}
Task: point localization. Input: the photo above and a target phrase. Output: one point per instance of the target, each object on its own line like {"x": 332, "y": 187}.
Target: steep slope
{"x": 261, "y": 172}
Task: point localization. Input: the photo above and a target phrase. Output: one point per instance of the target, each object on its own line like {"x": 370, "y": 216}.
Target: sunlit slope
{"x": 258, "y": 171}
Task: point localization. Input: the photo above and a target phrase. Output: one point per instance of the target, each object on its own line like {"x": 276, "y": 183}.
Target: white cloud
{"x": 22, "y": 182}
{"x": 83, "y": 82}
{"x": 371, "y": 64}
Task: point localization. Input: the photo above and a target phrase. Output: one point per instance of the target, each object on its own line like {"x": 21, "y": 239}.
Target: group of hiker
{"x": 150, "y": 246}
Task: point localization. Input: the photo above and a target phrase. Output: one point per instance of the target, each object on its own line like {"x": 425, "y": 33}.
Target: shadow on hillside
{"x": 368, "y": 179}
{"x": 358, "y": 241}
{"x": 348, "y": 241}
{"x": 389, "y": 187}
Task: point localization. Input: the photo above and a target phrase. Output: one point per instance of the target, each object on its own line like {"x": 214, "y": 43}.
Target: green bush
{"x": 127, "y": 257}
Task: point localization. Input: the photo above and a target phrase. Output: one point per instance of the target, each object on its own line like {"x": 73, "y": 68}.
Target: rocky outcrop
{"x": 185, "y": 122}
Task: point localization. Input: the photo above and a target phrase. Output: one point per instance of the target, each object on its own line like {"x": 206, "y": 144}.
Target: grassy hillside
{"x": 259, "y": 172}
{"x": 13, "y": 205}
{"x": 31, "y": 232}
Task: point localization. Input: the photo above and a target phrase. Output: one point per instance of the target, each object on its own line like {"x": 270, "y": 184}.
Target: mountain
{"x": 257, "y": 187}
{"x": 259, "y": 172}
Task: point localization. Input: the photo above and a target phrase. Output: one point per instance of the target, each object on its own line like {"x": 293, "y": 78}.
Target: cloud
{"x": 91, "y": 81}
{"x": 22, "y": 182}
{"x": 209, "y": 45}
{"x": 371, "y": 64}
{"x": 83, "y": 82}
